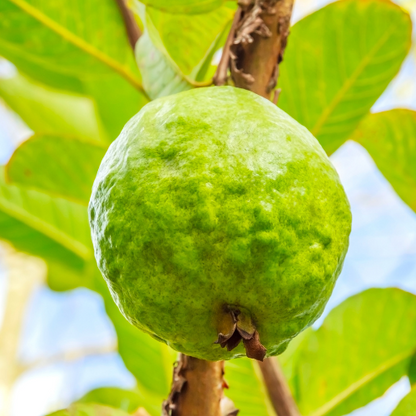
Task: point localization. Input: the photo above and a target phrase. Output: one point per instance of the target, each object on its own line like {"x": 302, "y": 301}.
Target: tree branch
{"x": 133, "y": 31}
{"x": 255, "y": 46}
{"x": 197, "y": 389}
{"x": 277, "y": 388}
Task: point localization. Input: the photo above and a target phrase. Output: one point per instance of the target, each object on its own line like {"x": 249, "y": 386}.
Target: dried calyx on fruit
{"x": 219, "y": 224}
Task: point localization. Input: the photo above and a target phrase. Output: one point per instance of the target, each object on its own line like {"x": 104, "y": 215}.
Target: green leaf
{"x": 411, "y": 372}
{"x": 77, "y": 41}
{"x": 363, "y": 347}
{"x": 184, "y": 6}
{"x": 389, "y": 137}
{"x": 81, "y": 48}
{"x": 51, "y": 228}
{"x": 338, "y": 62}
{"x": 81, "y": 409}
{"x": 407, "y": 407}
{"x": 49, "y": 111}
{"x": 161, "y": 76}
{"x": 199, "y": 36}
{"x": 62, "y": 221}
{"x": 246, "y": 388}
{"x": 125, "y": 400}
{"x": 150, "y": 361}
{"x": 63, "y": 166}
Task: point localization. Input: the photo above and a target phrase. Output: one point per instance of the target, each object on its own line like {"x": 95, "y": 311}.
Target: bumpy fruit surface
{"x": 212, "y": 201}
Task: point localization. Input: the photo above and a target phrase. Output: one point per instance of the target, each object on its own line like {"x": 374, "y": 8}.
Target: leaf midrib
{"x": 79, "y": 42}
{"x": 349, "y": 82}
{"x": 387, "y": 365}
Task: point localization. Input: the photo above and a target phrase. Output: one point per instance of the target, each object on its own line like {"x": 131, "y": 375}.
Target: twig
{"x": 197, "y": 389}
{"x": 220, "y": 77}
{"x": 277, "y": 387}
{"x": 133, "y": 31}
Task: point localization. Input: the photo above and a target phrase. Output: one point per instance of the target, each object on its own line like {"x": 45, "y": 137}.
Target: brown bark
{"x": 277, "y": 388}
{"x": 197, "y": 389}
{"x": 133, "y": 31}
{"x": 259, "y": 38}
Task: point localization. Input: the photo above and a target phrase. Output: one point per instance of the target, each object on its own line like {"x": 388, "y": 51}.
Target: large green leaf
{"x": 126, "y": 400}
{"x": 82, "y": 409}
{"x": 63, "y": 166}
{"x": 75, "y": 47}
{"x": 389, "y": 137}
{"x": 51, "y": 228}
{"x": 77, "y": 40}
{"x": 150, "y": 361}
{"x": 338, "y": 62}
{"x": 184, "y": 6}
{"x": 49, "y": 111}
{"x": 407, "y": 407}
{"x": 246, "y": 388}
{"x": 363, "y": 347}
{"x": 62, "y": 221}
{"x": 161, "y": 76}
{"x": 198, "y": 35}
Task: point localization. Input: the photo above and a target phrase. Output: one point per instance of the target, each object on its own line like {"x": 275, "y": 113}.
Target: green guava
{"x": 216, "y": 218}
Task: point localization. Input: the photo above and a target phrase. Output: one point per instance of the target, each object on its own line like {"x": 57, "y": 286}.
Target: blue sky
{"x": 382, "y": 253}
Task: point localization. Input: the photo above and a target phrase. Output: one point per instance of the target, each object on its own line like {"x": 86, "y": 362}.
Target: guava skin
{"x": 215, "y": 197}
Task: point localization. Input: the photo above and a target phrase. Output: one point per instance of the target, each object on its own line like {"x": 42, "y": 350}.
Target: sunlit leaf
{"x": 389, "y": 137}
{"x": 62, "y": 166}
{"x": 338, "y": 62}
{"x": 126, "y": 400}
{"x": 246, "y": 388}
{"x": 184, "y": 6}
{"x": 49, "y": 111}
{"x": 160, "y": 74}
{"x": 363, "y": 347}
{"x": 407, "y": 407}
{"x": 75, "y": 48}
{"x": 81, "y": 409}
{"x": 191, "y": 41}
{"x": 150, "y": 361}
{"x": 64, "y": 222}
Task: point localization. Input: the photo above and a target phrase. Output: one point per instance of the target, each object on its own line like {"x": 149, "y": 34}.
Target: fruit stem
{"x": 277, "y": 388}
{"x": 198, "y": 389}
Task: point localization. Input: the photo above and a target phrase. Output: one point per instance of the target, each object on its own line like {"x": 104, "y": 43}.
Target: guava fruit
{"x": 216, "y": 218}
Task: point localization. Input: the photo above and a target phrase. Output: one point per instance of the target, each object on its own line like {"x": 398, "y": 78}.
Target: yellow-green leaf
{"x": 62, "y": 166}
{"x": 390, "y": 138}
{"x": 338, "y": 62}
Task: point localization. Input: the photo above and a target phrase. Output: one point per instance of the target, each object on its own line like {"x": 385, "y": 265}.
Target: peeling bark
{"x": 197, "y": 389}
{"x": 257, "y": 44}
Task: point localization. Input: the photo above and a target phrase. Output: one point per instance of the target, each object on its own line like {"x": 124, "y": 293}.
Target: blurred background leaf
{"x": 340, "y": 59}
{"x": 50, "y": 111}
{"x": 389, "y": 137}
{"x": 342, "y": 366}
{"x": 75, "y": 48}
{"x": 407, "y": 407}
{"x": 62, "y": 166}
{"x": 81, "y": 409}
{"x": 247, "y": 390}
{"x": 184, "y": 6}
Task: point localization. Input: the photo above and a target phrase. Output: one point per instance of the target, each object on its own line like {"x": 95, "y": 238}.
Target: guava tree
{"x": 86, "y": 67}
